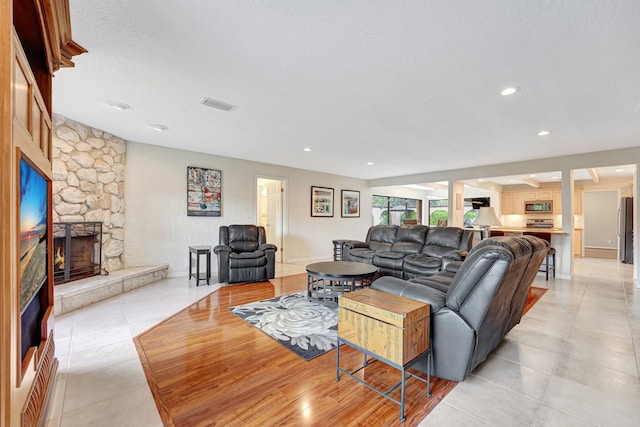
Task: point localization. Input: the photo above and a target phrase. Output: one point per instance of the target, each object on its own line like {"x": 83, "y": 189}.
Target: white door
{"x": 270, "y": 212}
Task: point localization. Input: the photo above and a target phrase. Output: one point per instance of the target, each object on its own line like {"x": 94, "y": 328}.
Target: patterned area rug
{"x": 307, "y": 328}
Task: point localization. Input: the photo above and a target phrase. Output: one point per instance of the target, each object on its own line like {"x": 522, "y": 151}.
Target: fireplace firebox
{"x": 77, "y": 250}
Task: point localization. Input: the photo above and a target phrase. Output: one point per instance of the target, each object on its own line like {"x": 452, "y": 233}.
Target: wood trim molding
{"x": 38, "y": 398}
{"x": 8, "y": 272}
{"x": 56, "y": 22}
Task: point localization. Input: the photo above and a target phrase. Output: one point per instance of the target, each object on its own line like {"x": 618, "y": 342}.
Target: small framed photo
{"x": 350, "y": 204}
{"x": 321, "y": 201}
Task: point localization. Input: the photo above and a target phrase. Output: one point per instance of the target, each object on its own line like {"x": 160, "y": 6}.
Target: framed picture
{"x": 350, "y": 204}
{"x": 204, "y": 192}
{"x": 321, "y": 201}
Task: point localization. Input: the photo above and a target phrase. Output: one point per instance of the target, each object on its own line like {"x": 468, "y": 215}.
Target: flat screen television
{"x": 34, "y": 256}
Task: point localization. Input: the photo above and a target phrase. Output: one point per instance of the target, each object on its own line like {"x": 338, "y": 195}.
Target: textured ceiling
{"x": 410, "y": 86}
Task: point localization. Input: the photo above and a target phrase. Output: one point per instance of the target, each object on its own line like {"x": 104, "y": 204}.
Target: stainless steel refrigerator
{"x": 625, "y": 230}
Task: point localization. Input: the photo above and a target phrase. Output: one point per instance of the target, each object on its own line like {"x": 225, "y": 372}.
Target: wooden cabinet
{"x": 512, "y": 202}
{"x": 537, "y": 195}
{"x": 577, "y": 202}
{"x": 38, "y": 43}
{"x": 577, "y": 243}
{"x": 557, "y": 201}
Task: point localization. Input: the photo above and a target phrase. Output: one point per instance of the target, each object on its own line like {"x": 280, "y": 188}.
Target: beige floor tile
{"x": 591, "y": 404}
{"x": 549, "y": 417}
{"x": 491, "y": 403}
{"x": 449, "y": 416}
{"x": 602, "y": 378}
{"x": 528, "y": 356}
{"x": 132, "y": 407}
{"x": 513, "y": 376}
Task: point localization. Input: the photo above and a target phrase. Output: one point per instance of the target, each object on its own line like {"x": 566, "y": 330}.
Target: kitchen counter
{"x": 520, "y": 230}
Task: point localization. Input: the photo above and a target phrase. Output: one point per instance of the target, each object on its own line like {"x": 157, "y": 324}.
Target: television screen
{"x": 33, "y": 232}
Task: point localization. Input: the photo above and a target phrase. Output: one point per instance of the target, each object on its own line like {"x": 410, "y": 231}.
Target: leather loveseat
{"x": 409, "y": 251}
{"x": 473, "y": 303}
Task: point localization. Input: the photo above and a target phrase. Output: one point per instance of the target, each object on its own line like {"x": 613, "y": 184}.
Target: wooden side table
{"x": 389, "y": 328}
{"x": 197, "y": 251}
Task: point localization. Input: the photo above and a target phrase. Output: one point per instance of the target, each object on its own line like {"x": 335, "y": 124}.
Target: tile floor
{"x": 573, "y": 361}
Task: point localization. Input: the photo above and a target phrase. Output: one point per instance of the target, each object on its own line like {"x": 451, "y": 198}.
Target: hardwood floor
{"x": 207, "y": 367}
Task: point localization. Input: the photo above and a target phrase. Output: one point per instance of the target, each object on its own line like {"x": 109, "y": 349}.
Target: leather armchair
{"x": 244, "y": 254}
{"x": 473, "y": 308}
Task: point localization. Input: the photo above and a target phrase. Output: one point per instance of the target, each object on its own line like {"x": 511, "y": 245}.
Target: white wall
{"x": 601, "y": 219}
{"x": 158, "y": 230}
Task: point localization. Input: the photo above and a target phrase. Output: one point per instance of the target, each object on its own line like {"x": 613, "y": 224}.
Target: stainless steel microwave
{"x": 544, "y": 206}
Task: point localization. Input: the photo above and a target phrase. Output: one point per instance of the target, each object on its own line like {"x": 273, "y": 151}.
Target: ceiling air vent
{"x": 219, "y": 105}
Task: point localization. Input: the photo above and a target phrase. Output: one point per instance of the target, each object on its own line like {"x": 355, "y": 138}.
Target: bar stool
{"x": 549, "y": 264}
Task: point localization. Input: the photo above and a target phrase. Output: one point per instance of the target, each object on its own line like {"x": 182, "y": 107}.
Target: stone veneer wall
{"x": 88, "y": 183}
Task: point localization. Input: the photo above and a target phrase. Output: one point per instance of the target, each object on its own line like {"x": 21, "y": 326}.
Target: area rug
{"x": 307, "y": 328}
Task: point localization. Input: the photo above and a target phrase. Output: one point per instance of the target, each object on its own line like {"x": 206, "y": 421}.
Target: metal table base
{"x": 403, "y": 369}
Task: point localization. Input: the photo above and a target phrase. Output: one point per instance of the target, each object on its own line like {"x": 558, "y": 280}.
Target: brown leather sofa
{"x": 474, "y": 303}
{"x": 409, "y": 251}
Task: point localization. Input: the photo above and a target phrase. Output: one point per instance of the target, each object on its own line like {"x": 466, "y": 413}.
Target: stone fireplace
{"x": 77, "y": 249}
{"x": 88, "y": 184}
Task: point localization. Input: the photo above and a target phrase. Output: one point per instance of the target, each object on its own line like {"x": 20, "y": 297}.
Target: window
{"x": 396, "y": 210}
{"x": 439, "y": 212}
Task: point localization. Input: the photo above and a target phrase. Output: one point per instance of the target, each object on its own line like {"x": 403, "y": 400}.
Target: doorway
{"x": 600, "y": 223}
{"x": 270, "y": 212}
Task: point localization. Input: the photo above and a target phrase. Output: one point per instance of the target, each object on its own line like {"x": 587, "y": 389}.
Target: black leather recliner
{"x": 474, "y": 303}
{"x": 244, "y": 254}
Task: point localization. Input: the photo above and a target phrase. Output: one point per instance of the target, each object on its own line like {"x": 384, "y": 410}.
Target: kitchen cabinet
{"x": 577, "y": 202}
{"x": 512, "y": 202}
{"x": 537, "y": 195}
{"x": 557, "y": 202}
{"x": 577, "y": 243}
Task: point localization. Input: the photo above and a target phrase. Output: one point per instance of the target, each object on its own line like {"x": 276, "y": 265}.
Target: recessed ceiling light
{"x": 119, "y": 106}
{"x": 159, "y": 128}
{"x": 307, "y": 149}
{"x": 481, "y": 179}
{"x": 533, "y": 175}
{"x": 619, "y": 170}
{"x": 509, "y": 91}
{"x": 370, "y": 164}
{"x": 544, "y": 132}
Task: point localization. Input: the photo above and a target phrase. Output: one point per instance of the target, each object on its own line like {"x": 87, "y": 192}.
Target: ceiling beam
{"x": 532, "y": 182}
{"x": 593, "y": 173}
{"x": 485, "y": 185}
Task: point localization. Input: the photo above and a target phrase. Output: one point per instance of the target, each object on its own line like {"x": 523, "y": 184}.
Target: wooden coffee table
{"x": 326, "y": 281}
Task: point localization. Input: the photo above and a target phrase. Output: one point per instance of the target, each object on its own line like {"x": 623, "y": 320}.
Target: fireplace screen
{"x": 77, "y": 250}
